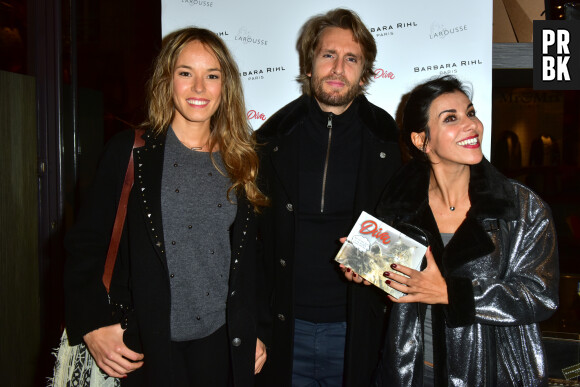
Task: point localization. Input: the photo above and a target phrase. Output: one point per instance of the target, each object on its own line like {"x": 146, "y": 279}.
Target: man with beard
{"x": 325, "y": 157}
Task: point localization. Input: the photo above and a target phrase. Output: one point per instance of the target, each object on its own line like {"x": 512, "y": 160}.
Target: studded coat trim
{"x": 147, "y": 187}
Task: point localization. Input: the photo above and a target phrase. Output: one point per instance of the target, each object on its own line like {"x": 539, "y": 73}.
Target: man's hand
{"x": 260, "y": 356}
{"x": 111, "y": 354}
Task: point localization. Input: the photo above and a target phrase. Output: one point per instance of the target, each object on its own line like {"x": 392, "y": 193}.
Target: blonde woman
{"x": 182, "y": 293}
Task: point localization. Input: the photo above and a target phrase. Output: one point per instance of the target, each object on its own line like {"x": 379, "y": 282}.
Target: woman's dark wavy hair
{"x": 416, "y": 111}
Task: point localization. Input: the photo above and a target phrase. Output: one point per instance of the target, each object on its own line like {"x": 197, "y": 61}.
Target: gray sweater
{"x": 196, "y": 221}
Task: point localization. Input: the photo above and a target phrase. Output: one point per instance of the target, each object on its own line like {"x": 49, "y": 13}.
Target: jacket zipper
{"x": 329, "y": 126}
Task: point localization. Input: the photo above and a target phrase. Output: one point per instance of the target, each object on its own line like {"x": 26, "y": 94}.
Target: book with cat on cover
{"x": 372, "y": 246}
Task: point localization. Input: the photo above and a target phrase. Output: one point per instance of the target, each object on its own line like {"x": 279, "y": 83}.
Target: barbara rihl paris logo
{"x": 556, "y": 55}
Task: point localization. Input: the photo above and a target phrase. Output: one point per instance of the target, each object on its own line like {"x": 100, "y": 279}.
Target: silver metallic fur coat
{"x": 501, "y": 269}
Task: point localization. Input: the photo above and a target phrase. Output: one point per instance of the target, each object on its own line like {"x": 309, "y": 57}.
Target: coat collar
{"x": 492, "y": 199}
{"x": 279, "y": 144}
{"x": 284, "y": 121}
{"x": 490, "y": 192}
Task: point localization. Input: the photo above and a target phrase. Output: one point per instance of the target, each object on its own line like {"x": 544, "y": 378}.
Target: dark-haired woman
{"x": 186, "y": 264}
{"x": 471, "y": 315}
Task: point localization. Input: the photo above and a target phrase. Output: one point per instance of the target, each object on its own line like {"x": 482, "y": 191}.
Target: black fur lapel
{"x": 469, "y": 242}
{"x": 491, "y": 194}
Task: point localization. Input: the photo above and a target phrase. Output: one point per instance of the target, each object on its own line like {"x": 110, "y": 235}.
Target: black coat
{"x": 141, "y": 278}
{"x": 380, "y": 158}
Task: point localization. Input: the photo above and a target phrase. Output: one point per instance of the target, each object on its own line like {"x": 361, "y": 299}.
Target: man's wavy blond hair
{"x": 309, "y": 40}
{"x": 229, "y": 128}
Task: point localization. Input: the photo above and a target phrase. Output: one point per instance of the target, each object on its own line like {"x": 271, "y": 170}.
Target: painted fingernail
{"x": 354, "y": 274}
{"x": 386, "y": 274}
{"x": 348, "y": 269}
{"x": 388, "y": 282}
{"x": 394, "y": 265}
{"x": 429, "y": 248}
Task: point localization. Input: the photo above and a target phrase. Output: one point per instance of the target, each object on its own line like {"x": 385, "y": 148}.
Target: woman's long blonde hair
{"x": 229, "y": 128}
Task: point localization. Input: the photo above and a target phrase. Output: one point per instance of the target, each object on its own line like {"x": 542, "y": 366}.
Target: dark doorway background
{"x": 90, "y": 61}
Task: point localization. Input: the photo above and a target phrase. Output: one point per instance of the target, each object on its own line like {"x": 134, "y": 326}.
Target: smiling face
{"x": 197, "y": 85}
{"x": 455, "y": 131}
{"x": 337, "y": 68}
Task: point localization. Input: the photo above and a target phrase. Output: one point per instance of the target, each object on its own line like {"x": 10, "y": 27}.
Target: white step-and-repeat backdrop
{"x": 416, "y": 41}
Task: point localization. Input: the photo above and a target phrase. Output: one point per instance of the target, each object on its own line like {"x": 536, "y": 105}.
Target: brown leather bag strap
{"x": 121, "y": 214}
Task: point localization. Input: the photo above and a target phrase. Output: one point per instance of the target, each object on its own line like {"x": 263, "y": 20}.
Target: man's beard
{"x": 334, "y": 98}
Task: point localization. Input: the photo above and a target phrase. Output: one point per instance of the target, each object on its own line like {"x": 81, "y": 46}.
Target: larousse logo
{"x": 199, "y": 3}
{"x": 246, "y": 37}
{"x": 442, "y": 32}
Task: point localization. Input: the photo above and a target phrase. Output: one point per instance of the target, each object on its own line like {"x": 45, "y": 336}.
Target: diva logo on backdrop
{"x": 383, "y": 74}
{"x": 256, "y": 115}
{"x": 390, "y": 29}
